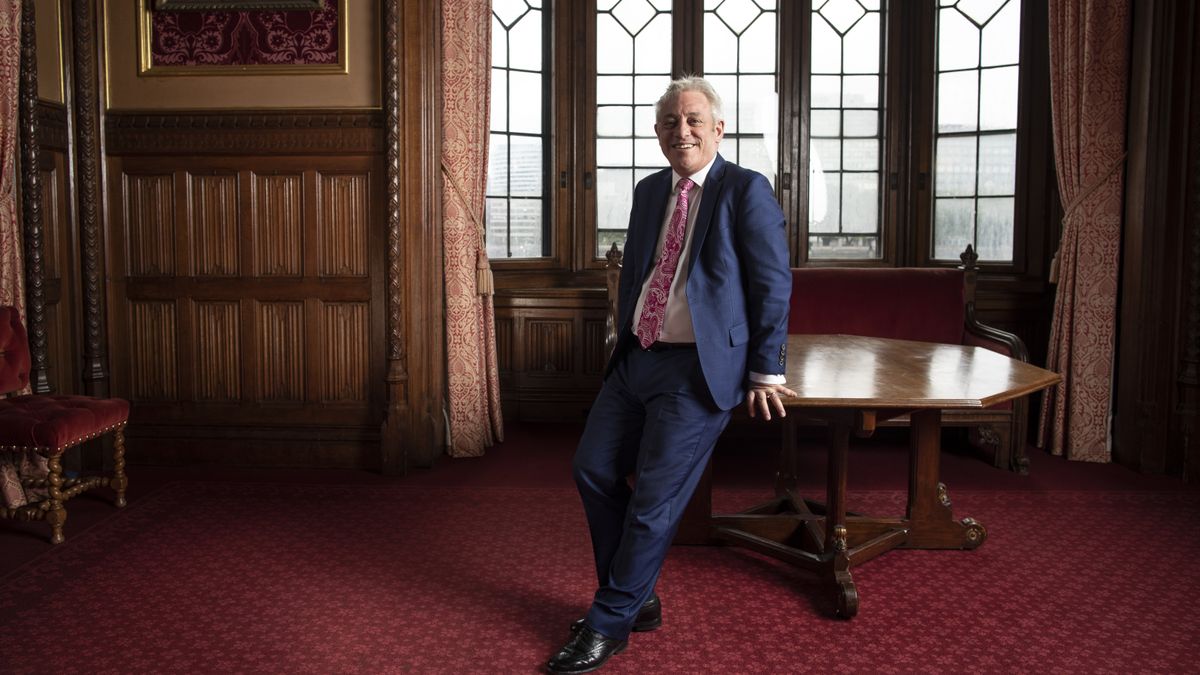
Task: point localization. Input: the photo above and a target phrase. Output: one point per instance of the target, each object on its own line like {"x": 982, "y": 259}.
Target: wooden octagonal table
{"x": 851, "y": 383}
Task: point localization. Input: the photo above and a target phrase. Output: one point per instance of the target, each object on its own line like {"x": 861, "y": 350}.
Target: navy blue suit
{"x": 659, "y": 414}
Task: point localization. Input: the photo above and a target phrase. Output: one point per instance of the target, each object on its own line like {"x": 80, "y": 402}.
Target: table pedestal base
{"x": 827, "y": 539}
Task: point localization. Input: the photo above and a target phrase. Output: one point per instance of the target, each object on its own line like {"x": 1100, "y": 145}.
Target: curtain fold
{"x": 1089, "y": 74}
{"x": 472, "y": 374}
{"x": 12, "y": 273}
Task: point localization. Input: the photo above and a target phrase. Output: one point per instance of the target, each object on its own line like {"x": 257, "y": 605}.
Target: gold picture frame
{"x": 146, "y": 67}
{"x": 234, "y": 5}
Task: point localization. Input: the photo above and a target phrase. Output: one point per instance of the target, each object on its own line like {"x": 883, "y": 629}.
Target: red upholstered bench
{"x": 35, "y": 431}
{"x": 923, "y": 304}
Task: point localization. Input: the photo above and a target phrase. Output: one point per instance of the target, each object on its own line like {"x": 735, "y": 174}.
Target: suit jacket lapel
{"x": 651, "y": 225}
{"x": 708, "y": 202}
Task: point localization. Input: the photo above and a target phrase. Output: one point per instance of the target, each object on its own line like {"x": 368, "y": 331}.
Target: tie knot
{"x": 685, "y": 185}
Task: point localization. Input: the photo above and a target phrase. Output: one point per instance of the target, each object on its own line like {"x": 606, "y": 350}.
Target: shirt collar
{"x": 697, "y": 178}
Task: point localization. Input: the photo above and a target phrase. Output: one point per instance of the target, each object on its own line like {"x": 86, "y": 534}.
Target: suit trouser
{"x": 655, "y": 419}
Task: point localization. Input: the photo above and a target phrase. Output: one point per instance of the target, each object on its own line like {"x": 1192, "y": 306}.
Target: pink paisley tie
{"x": 654, "y": 309}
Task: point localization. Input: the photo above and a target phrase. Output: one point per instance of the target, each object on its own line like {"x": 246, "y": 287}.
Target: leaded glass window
{"x": 845, "y": 125}
{"x": 740, "y": 61}
{"x": 976, "y": 146}
{"x": 517, "y": 209}
{"x": 633, "y": 68}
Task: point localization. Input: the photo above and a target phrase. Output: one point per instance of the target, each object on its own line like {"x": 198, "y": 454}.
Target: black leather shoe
{"x": 586, "y": 651}
{"x": 649, "y": 617}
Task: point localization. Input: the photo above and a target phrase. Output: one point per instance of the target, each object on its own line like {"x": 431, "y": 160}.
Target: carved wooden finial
{"x": 614, "y": 256}
{"x": 969, "y": 257}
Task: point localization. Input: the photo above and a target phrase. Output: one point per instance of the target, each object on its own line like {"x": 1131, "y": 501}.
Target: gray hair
{"x": 691, "y": 83}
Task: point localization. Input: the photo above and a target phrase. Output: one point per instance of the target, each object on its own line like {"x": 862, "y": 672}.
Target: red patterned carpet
{"x": 293, "y": 578}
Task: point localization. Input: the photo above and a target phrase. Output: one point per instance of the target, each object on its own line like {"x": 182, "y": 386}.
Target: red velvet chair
{"x": 35, "y": 431}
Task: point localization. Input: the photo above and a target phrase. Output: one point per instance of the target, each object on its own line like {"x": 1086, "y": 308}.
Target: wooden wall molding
{"x": 413, "y": 432}
{"x": 89, "y": 185}
{"x": 52, "y": 125}
{"x": 266, "y": 132}
{"x": 31, "y": 205}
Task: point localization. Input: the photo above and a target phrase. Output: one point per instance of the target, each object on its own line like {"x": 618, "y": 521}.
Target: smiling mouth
{"x": 683, "y": 146}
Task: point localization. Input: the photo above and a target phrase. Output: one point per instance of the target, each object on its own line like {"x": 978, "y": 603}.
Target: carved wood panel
{"x": 278, "y": 225}
{"x": 218, "y": 351}
{"x": 149, "y": 219}
{"x": 153, "y": 354}
{"x": 213, "y": 202}
{"x": 247, "y": 299}
{"x": 344, "y": 352}
{"x": 282, "y": 348}
{"x": 342, "y": 220}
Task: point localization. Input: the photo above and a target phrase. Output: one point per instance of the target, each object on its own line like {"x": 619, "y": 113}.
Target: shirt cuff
{"x": 759, "y": 378}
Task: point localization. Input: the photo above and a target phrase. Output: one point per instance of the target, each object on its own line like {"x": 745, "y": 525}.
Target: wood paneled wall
{"x": 60, "y": 252}
{"x": 550, "y": 351}
{"x": 246, "y": 299}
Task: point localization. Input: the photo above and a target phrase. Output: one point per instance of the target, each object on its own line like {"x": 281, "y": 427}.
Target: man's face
{"x": 687, "y": 133}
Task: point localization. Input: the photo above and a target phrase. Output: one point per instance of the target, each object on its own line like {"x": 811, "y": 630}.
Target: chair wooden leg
{"x": 56, "y": 514}
{"x": 118, "y": 481}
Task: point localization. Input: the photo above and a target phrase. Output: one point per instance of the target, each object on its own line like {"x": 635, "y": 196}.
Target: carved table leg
{"x": 930, "y": 519}
{"x": 835, "y": 516}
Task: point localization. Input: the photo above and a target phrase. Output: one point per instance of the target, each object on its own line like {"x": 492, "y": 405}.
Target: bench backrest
{"x": 906, "y": 303}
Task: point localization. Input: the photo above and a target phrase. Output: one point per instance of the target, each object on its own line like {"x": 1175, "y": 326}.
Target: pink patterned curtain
{"x": 1089, "y": 74}
{"x": 12, "y": 276}
{"x": 474, "y": 382}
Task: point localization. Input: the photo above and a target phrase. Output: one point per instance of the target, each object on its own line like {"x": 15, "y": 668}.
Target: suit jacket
{"x": 739, "y": 281}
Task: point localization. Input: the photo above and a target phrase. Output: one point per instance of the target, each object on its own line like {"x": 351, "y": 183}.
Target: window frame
{"x": 908, "y": 126}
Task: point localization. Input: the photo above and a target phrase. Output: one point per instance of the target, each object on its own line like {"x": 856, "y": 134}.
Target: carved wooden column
{"x": 413, "y": 427}
{"x": 31, "y": 206}
{"x": 87, "y": 105}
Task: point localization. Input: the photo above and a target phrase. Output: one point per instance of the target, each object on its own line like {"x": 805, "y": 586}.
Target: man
{"x": 703, "y": 326}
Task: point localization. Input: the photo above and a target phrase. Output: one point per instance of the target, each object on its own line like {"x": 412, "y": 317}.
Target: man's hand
{"x": 763, "y": 398}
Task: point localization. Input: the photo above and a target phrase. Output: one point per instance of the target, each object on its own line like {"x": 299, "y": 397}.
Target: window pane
{"x": 958, "y": 41}
{"x": 861, "y": 155}
{"x": 975, "y": 163}
{"x": 953, "y": 227}
{"x": 525, "y": 42}
{"x": 958, "y": 101}
{"x": 825, "y": 91}
{"x": 614, "y": 199}
{"x": 496, "y": 217}
{"x": 613, "y": 121}
{"x": 998, "y": 164}
{"x": 525, "y": 102}
{"x": 614, "y": 52}
{"x": 955, "y": 172}
{"x": 824, "y": 202}
{"x": 527, "y": 178}
{"x": 860, "y": 202}
{"x": 998, "y": 99}
{"x": 516, "y": 208}
{"x": 826, "y": 49}
{"x": 497, "y": 179}
{"x": 845, "y": 139}
{"x": 995, "y": 239}
{"x": 998, "y": 47}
